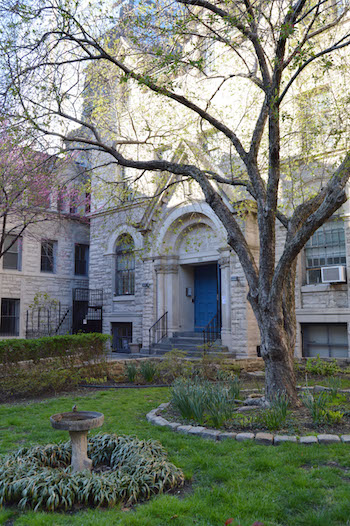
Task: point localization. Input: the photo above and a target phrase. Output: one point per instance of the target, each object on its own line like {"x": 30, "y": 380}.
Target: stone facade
{"x": 25, "y": 283}
{"x": 183, "y": 236}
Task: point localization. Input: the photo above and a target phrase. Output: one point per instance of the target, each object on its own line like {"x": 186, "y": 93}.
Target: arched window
{"x": 125, "y": 266}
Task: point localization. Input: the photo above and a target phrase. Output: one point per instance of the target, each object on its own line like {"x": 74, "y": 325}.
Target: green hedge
{"x": 91, "y": 345}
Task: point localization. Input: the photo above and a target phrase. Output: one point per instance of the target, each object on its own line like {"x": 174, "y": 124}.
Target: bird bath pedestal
{"x": 78, "y": 424}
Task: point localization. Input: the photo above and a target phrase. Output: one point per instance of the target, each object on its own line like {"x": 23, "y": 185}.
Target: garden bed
{"x": 298, "y": 421}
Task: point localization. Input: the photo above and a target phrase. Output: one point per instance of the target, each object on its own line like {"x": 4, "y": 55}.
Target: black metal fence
{"x": 49, "y": 320}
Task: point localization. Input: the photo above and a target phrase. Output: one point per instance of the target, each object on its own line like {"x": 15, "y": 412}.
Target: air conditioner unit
{"x": 333, "y": 274}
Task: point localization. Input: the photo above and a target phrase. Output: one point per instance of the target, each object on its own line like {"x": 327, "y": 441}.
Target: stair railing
{"x": 61, "y": 320}
{"x": 212, "y": 331}
{"x": 159, "y": 330}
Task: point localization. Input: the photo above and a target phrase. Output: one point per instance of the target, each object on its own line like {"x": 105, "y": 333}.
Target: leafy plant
{"x": 334, "y": 417}
{"x": 275, "y": 416}
{"x": 321, "y": 367}
{"x": 131, "y": 371}
{"x": 219, "y": 404}
{"x": 317, "y": 406}
{"x": 149, "y": 370}
{"x": 40, "y": 477}
{"x": 334, "y": 383}
{"x": 234, "y": 387}
{"x": 189, "y": 397}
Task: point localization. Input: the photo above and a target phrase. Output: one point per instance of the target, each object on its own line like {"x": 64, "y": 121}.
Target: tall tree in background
{"x": 70, "y": 65}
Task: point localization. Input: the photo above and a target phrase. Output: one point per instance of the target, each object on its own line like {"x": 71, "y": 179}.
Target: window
{"x": 329, "y": 340}
{"x": 73, "y": 208}
{"x": 326, "y": 248}
{"x": 9, "y": 324}
{"x": 87, "y": 202}
{"x": 48, "y": 256}
{"x": 60, "y": 201}
{"x": 12, "y": 258}
{"x": 81, "y": 260}
{"x": 125, "y": 266}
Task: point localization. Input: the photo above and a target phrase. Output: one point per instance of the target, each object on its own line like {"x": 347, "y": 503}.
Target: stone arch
{"x": 183, "y": 222}
{"x": 123, "y": 229}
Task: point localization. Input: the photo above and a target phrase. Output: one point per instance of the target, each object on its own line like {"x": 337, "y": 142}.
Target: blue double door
{"x": 206, "y": 295}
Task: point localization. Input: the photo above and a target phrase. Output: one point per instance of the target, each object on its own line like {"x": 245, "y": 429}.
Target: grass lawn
{"x": 287, "y": 485}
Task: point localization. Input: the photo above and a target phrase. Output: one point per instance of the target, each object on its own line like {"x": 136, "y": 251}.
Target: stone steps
{"x": 190, "y": 342}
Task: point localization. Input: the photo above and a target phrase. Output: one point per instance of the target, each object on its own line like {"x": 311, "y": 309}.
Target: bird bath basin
{"x": 78, "y": 423}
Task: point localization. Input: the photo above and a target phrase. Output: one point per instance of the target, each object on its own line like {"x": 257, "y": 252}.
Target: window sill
{"x": 124, "y": 297}
{"x": 323, "y": 287}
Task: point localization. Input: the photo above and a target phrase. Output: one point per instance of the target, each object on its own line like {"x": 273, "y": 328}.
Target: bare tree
{"x": 165, "y": 49}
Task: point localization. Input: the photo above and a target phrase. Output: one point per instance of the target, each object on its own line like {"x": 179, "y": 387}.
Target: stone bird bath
{"x": 78, "y": 423}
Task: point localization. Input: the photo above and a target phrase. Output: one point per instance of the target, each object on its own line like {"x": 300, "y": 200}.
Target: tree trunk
{"x": 278, "y": 353}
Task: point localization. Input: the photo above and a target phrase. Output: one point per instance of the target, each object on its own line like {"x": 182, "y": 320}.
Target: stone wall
{"x": 25, "y": 283}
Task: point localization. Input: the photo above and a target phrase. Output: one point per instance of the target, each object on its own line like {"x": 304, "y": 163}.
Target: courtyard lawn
{"x": 288, "y": 485}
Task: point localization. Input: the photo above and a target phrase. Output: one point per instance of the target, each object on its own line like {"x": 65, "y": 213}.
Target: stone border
{"x": 266, "y": 439}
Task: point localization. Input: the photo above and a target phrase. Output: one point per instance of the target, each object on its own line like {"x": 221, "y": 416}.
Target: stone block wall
{"x": 25, "y": 283}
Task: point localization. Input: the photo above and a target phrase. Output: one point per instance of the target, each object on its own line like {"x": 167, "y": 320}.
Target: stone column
{"x": 80, "y": 460}
{"x": 226, "y": 336}
{"x": 171, "y": 287}
{"x": 160, "y": 289}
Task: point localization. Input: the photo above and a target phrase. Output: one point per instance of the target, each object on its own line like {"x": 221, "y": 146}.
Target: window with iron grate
{"x": 9, "y": 322}
{"x": 125, "y": 266}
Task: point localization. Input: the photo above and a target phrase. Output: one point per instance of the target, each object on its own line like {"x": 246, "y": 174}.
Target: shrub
{"x": 131, "y": 371}
{"x": 148, "y": 370}
{"x": 50, "y": 364}
{"x": 209, "y": 364}
{"x": 39, "y": 380}
{"x": 174, "y": 365}
{"x": 86, "y": 346}
{"x": 321, "y": 367}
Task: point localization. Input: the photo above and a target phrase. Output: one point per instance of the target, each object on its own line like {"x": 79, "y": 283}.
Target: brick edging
{"x": 266, "y": 439}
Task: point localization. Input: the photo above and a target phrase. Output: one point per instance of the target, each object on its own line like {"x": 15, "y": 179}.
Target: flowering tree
{"x": 247, "y": 98}
{"x": 34, "y": 189}
{"x": 26, "y": 181}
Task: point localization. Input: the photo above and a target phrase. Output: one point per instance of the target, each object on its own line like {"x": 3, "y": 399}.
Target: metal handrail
{"x": 212, "y": 331}
{"x": 61, "y": 321}
{"x": 159, "y": 330}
